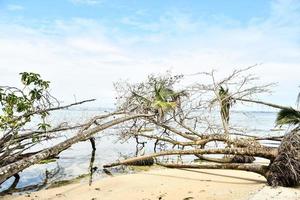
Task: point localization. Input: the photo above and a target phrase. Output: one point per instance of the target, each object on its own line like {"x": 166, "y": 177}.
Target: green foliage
{"x": 226, "y": 103}
{"x": 33, "y": 78}
{"x": 155, "y": 95}
{"x": 164, "y": 98}
{"x": 288, "y": 117}
{"x": 19, "y": 105}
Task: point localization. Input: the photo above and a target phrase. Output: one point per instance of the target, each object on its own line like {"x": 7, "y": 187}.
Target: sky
{"x": 83, "y": 46}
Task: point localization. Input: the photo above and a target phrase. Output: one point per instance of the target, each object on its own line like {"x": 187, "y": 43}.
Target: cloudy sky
{"x": 83, "y": 46}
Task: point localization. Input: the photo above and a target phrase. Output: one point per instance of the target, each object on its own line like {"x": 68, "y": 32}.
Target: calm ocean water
{"x": 76, "y": 160}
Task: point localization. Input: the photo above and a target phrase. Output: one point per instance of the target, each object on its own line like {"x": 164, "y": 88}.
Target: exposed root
{"x": 285, "y": 169}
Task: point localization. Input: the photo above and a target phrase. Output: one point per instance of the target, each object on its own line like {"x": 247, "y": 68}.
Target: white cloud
{"x": 273, "y": 41}
{"x": 79, "y": 57}
{"x": 15, "y": 7}
{"x": 83, "y": 64}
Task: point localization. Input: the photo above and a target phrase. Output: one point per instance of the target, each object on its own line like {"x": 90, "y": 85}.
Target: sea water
{"x": 75, "y": 161}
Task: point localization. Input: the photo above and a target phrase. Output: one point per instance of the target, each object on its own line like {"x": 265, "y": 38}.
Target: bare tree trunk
{"x": 232, "y": 159}
{"x": 260, "y": 169}
{"x": 13, "y": 168}
{"x": 92, "y": 140}
{"x": 265, "y": 152}
{"x": 91, "y": 167}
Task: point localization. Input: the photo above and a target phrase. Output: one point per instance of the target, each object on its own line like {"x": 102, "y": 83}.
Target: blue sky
{"x": 113, "y": 10}
{"x": 82, "y": 46}
{"x": 124, "y": 16}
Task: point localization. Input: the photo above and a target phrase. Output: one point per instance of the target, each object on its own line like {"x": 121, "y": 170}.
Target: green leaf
{"x": 35, "y": 139}
{"x": 43, "y": 126}
{"x": 288, "y": 116}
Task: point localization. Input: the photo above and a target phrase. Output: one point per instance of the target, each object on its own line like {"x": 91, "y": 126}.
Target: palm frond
{"x": 166, "y": 106}
{"x": 288, "y": 116}
{"x": 225, "y": 103}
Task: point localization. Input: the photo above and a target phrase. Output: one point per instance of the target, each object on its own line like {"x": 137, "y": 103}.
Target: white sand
{"x": 164, "y": 184}
{"x": 279, "y": 193}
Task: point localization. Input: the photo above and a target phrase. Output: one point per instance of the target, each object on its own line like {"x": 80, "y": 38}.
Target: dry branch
{"x": 14, "y": 168}
{"x": 263, "y": 103}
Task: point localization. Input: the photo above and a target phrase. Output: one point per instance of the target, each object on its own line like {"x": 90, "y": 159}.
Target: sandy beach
{"x": 161, "y": 184}
{"x": 169, "y": 184}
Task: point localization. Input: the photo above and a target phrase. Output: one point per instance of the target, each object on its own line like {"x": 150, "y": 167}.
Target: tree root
{"x": 285, "y": 169}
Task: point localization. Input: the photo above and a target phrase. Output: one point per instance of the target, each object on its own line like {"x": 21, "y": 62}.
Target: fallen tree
{"x": 15, "y": 167}
{"x": 21, "y": 106}
{"x": 192, "y": 120}
{"x": 283, "y": 170}
{"x": 187, "y": 125}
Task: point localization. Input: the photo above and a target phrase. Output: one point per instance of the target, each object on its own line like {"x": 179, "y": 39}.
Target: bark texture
{"x": 260, "y": 169}
{"x": 269, "y": 153}
{"x": 285, "y": 169}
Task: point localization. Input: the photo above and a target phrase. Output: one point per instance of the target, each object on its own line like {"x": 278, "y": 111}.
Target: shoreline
{"x": 159, "y": 183}
{"x": 167, "y": 184}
